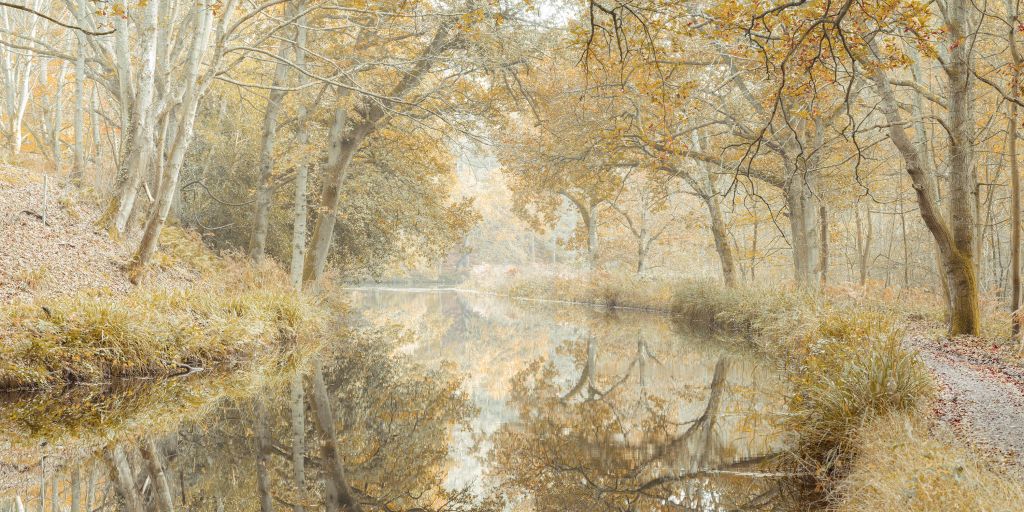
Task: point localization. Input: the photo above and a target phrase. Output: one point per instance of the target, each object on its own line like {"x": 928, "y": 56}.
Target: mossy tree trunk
{"x": 953, "y": 237}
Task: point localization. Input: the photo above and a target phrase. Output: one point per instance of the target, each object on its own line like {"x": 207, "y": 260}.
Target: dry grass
{"x": 231, "y": 312}
{"x": 902, "y": 467}
{"x": 854, "y": 370}
{"x": 33, "y": 279}
{"x": 181, "y": 247}
{"x": 601, "y": 288}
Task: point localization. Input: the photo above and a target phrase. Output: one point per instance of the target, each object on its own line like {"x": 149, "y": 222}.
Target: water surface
{"x": 428, "y": 400}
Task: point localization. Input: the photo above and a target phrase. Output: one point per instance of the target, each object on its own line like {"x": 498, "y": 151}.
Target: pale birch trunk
{"x": 264, "y": 189}
{"x": 138, "y": 147}
{"x": 301, "y": 171}
{"x": 79, "y": 151}
{"x": 338, "y": 493}
{"x": 155, "y": 466}
{"x": 195, "y": 88}
{"x": 58, "y": 119}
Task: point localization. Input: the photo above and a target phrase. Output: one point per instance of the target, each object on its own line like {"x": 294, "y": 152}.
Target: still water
{"x": 426, "y": 400}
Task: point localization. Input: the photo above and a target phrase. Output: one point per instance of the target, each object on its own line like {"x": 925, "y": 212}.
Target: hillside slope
{"x": 66, "y": 255}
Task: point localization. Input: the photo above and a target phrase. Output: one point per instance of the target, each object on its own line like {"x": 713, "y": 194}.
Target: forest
{"x": 511, "y": 255}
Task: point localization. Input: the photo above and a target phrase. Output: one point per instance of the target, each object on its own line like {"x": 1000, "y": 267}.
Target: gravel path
{"x": 981, "y": 398}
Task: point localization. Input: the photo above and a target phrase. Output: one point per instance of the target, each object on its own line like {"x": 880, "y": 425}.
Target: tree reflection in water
{"x": 486, "y": 408}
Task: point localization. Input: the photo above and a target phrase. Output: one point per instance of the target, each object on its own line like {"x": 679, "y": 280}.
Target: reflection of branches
{"x": 586, "y": 379}
{"x": 731, "y": 468}
{"x": 705, "y": 423}
{"x": 587, "y": 375}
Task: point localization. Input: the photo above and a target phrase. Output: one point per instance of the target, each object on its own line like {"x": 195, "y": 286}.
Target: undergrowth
{"x": 904, "y": 467}
{"x": 605, "y": 289}
{"x": 229, "y": 313}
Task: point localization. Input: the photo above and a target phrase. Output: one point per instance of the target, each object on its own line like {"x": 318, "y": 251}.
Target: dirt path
{"x": 980, "y": 397}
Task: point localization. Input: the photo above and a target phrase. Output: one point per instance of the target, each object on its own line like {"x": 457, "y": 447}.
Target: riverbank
{"x": 852, "y": 374}
{"x": 70, "y": 315}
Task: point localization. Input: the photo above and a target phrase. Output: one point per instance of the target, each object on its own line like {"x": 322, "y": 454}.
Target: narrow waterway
{"x": 440, "y": 400}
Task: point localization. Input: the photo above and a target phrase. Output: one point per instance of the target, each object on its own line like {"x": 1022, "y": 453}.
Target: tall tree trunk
{"x": 803, "y": 212}
{"x": 155, "y": 466}
{"x": 1011, "y": 128}
{"x": 57, "y": 119}
{"x": 182, "y": 136}
{"x": 588, "y": 213}
{"x": 140, "y": 134}
{"x": 339, "y": 156}
{"x": 1014, "y": 221}
{"x": 263, "y": 446}
{"x": 963, "y": 177}
{"x": 719, "y": 233}
{"x": 864, "y": 236}
{"x": 592, "y": 248}
{"x": 301, "y": 171}
{"x": 953, "y": 239}
{"x": 264, "y": 190}
{"x": 338, "y": 494}
{"x": 641, "y": 255}
{"x": 79, "y": 152}
{"x": 298, "y": 421}
{"x": 345, "y": 143}
{"x": 823, "y": 245}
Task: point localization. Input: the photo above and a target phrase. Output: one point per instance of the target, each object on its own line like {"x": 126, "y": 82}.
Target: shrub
{"x": 855, "y": 371}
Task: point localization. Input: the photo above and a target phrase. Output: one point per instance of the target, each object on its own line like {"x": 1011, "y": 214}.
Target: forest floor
{"x": 68, "y": 313}
{"x": 67, "y": 254}
{"x": 980, "y": 395}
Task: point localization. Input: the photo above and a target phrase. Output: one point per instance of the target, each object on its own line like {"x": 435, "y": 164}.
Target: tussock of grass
{"x": 34, "y": 279}
{"x": 856, "y": 370}
{"x": 229, "y": 314}
{"x": 758, "y": 312}
{"x": 902, "y": 467}
{"x": 845, "y": 363}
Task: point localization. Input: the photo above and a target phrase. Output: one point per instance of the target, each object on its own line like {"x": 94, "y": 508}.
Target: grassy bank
{"x": 851, "y": 379}
{"x": 228, "y": 312}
